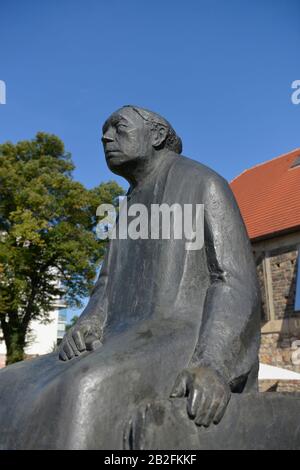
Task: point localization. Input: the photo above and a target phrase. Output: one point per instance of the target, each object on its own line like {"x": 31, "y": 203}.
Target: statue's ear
{"x": 159, "y": 135}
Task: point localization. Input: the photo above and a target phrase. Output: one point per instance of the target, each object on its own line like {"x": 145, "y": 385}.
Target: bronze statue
{"x": 162, "y": 321}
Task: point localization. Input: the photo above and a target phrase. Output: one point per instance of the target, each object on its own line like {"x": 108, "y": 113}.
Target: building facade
{"x": 269, "y": 199}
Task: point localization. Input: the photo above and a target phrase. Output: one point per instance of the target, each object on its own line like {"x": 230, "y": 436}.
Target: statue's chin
{"x": 114, "y": 160}
{"x": 116, "y": 166}
{"x": 121, "y": 166}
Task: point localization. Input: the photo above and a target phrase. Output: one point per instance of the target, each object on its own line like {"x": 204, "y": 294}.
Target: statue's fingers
{"x": 209, "y": 414}
{"x": 73, "y": 346}
{"x": 79, "y": 341}
{"x": 92, "y": 343}
{"x": 180, "y": 387}
{"x": 62, "y": 355}
{"x": 193, "y": 401}
{"x": 221, "y": 409}
{"x": 202, "y": 409}
{"x": 68, "y": 350}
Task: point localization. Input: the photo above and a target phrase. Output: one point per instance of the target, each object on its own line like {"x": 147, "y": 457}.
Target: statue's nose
{"x": 106, "y": 138}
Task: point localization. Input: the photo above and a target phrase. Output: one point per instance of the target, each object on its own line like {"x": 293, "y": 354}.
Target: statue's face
{"x": 126, "y": 137}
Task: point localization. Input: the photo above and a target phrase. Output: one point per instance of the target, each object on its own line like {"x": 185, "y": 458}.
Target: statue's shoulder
{"x": 190, "y": 170}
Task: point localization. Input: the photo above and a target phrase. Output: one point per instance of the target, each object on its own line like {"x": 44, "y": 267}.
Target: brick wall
{"x": 260, "y": 273}
{"x": 280, "y": 351}
{"x": 278, "y": 347}
{"x": 279, "y": 386}
{"x": 283, "y": 272}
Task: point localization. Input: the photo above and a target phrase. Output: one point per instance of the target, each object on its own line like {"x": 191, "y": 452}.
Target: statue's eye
{"x": 120, "y": 127}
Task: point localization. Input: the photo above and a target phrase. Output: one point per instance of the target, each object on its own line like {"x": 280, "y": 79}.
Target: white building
{"x": 42, "y": 338}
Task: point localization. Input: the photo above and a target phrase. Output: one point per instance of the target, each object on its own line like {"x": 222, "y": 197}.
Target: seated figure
{"x": 162, "y": 320}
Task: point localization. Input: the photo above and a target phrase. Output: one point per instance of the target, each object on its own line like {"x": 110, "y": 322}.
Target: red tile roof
{"x": 269, "y": 196}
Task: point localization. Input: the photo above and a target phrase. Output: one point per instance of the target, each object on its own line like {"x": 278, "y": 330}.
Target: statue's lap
{"x": 83, "y": 393}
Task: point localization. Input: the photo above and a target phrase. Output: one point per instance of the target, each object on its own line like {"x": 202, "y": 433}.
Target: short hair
{"x": 173, "y": 141}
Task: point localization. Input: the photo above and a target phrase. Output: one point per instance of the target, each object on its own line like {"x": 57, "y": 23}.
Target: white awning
{"x": 267, "y": 372}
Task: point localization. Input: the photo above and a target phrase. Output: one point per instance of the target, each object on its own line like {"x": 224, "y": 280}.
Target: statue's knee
{"x": 95, "y": 376}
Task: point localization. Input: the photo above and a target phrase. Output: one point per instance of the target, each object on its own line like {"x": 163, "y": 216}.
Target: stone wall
{"x": 260, "y": 273}
{"x": 277, "y": 267}
{"x": 279, "y": 386}
{"x": 284, "y": 271}
{"x": 283, "y": 267}
{"x": 280, "y": 351}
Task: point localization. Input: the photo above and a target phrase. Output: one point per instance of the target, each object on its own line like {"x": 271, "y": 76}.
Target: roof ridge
{"x": 296, "y": 150}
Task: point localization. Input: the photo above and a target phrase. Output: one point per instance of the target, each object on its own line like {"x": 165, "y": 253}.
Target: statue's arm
{"x": 96, "y": 309}
{"x": 227, "y": 347}
{"x": 87, "y": 332}
{"x": 229, "y": 335}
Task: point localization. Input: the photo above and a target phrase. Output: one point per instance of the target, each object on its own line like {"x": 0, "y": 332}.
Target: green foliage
{"x": 47, "y": 234}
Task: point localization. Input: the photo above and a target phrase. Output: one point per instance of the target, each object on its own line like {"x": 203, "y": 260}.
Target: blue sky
{"x": 219, "y": 71}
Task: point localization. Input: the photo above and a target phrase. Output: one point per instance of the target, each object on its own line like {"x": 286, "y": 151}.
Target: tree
{"x": 48, "y": 243}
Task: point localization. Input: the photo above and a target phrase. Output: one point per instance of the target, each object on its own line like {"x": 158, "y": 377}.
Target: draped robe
{"x": 162, "y": 308}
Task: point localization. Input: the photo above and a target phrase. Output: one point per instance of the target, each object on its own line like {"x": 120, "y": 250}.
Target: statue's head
{"x": 132, "y": 134}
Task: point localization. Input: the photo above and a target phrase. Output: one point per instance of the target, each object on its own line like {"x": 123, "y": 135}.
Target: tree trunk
{"x": 15, "y": 338}
{"x": 15, "y": 347}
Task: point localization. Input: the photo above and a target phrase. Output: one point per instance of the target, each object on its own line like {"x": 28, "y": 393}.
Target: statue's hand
{"x": 84, "y": 336}
{"x": 207, "y": 394}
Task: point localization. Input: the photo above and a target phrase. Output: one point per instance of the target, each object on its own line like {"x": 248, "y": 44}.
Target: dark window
{"x": 297, "y": 298}
{"x": 295, "y": 163}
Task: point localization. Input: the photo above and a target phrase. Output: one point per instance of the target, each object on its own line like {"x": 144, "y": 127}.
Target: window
{"x": 296, "y": 162}
{"x": 62, "y": 315}
{"x": 297, "y": 298}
